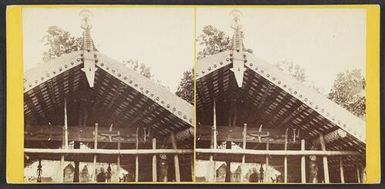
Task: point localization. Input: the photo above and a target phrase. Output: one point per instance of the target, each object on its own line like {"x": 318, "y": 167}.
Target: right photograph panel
{"x": 280, "y": 95}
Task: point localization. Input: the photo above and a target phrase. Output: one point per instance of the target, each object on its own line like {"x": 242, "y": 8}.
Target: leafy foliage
{"x": 213, "y": 41}
{"x": 297, "y": 72}
{"x": 139, "y": 68}
{"x": 349, "y": 91}
{"x": 292, "y": 69}
{"x": 60, "y": 42}
{"x": 186, "y": 86}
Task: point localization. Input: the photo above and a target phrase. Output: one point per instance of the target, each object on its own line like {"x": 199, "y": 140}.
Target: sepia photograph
{"x": 108, "y": 95}
{"x": 280, "y": 95}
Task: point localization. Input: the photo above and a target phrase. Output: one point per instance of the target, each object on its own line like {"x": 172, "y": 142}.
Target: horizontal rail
{"x": 107, "y": 151}
{"x": 276, "y": 152}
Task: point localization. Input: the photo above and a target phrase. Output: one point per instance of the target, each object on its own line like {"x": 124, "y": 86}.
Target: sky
{"x": 322, "y": 41}
{"x": 163, "y": 39}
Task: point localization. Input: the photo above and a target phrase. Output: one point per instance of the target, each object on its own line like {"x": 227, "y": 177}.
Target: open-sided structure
{"x": 262, "y": 115}
{"x": 86, "y": 107}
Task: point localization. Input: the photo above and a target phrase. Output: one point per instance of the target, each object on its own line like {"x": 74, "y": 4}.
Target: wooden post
{"x": 228, "y": 164}
{"x": 76, "y": 162}
{"x": 212, "y": 173}
{"x": 303, "y": 163}
{"x": 95, "y": 147}
{"x": 61, "y": 173}
{"x": 137, "y": 157}
{"x": 154, "y": 171}
{"x": 342, "y": 171}
{"x": 363, "y": 174}
{"x": 65, "y": 125}
{"x": 324, "y": 160}
{"x": 215, "y": 126}
{"x": 118, "y": 159}
{"x": 65, "y": 141}
{"x": 243, "y": 147}
{"x": 192, "y": 168}
{"x": 358, "y": 174}
{"x": 267, "y": 163}
{"x": 176, "y": 159}
{"x": 285, "y": 160}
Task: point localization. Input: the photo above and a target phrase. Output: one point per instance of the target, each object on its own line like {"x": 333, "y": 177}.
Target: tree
{"x": 60, "y": 42}
{"x": 213, "y": 41}
{"x": 292, "y": 69}
{"x": 186, "y": 86}
{"x": 349, "y": 91}
{"x": 297, "y": 72}
{"x": 139, "y": 68}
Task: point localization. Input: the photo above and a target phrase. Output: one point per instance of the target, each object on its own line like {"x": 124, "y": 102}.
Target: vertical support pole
{"x": 266, "y": 164}
{"x": 228, "y": 164}
{"x": 324, "y": 160}
{"x": 154, "y": 171}
{"x": 244, "y": 135}
{"x": 137, "y": 157}
{"x": 342, "y": 171}
{"x": 95, "y": 147}
{"x": 118, "y": 159}
{"x": 176, "y": 158}
{"x": 358, "y": 174}
{"x": 76, "y": 162}
{"x": 65, "y": 141}
{"x": 215, "y": 125}
{"x": 303, "y": 163}
{"x": 65, "y": 125}
{"x": 61, "y": 173}
{"x": 192, "y": 168}
{"x": 285, "y": 160}
{"x": 363, "y": 174}
{"x": 212, "y": 172}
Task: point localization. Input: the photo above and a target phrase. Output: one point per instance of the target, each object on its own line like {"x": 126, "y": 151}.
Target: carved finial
{"x": 85, "y": 14}
{"x": 86, "y": 26}
{"x": 238, "y": 35}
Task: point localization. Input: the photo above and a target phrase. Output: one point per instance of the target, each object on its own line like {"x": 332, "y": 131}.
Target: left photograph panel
{"x": 108, "y": 94}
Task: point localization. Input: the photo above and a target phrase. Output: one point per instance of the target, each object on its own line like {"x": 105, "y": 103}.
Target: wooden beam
{"x": 292, "y": 115}
{"x": 182, "y": 135}
{"x": 176, "y": 158}
{"x": 277, "y": 152}
{"x": 47, "y": 133}
{"x": 332, "y": 136}
{"x": 266, "y": 93}
{"x": 154, "y": 171}
{"x": 303, "y": 163}
{"x": 342, "y": 171}
{"x": 235, "y": 134}
{"x": 108, "y": 151}
{"x": 325, "y": 160}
